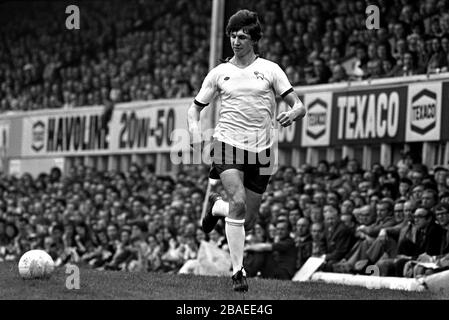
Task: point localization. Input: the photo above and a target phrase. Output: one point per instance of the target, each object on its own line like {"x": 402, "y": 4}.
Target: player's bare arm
{"x": 193, "y": 123}
{"x": 259, "y": 247}
{"x": 297, "y": 111}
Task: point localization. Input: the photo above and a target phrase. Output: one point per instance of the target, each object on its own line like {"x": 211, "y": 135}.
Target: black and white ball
{"x": 36, "y": 264}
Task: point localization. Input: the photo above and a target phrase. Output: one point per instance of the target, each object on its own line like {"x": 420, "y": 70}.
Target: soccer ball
{"x": 35, "y": 264}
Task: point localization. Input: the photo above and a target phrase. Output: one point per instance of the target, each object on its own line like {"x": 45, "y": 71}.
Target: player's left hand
{"x": 286, "y": 118}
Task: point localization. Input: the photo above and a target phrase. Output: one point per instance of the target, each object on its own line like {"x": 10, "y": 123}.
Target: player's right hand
{"x": 285, "y": 118}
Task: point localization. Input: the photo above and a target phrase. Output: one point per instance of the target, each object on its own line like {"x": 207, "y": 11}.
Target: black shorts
{"x": 256, "y": 167}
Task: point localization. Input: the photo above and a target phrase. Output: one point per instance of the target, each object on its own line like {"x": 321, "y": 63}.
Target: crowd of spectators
{"x": 106, "y": 220}
{"x": 148, "y": 49}
{"x": 393, "y": 218}
{"x": 124, "y": 51}
{"x": 390, "y": 217}
{"x": 328, "y": 41}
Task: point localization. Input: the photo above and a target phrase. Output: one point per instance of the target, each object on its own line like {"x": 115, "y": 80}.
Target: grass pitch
{"x": 115, "y": 285}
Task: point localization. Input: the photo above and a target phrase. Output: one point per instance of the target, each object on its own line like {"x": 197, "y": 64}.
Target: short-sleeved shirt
{"x": 248, "y": 102}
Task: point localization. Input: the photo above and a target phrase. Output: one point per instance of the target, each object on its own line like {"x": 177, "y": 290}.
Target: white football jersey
{"x": 248, "y": 102}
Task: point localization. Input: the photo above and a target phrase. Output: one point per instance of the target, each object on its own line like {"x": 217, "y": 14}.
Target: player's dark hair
{"x": 246, "y": 20}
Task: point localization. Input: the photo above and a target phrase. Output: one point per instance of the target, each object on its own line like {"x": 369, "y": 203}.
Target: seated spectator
{"x": 320, "y": 73}
{"x": 349, "y": 221}
{"x": 444, "y": 40}
{"x": 438, "y": 60}
{"x": 385, "y": 245}
{"x": 279, "y": 257}
{"x": 338, "y": 238}
{"x": 253, "y": 260}
{"x": 442, "y": 217}
{"x": 374, "y": 69}
{"x": 303, "y": 242}
{"x": 102, "y": 252}
{"x": 404, "y": 187}
{"x": 338, "y": 74}
{"x": 293, "y": 75}
{"x": 3, "y": 237}
{"x": 406, "y": 66}
{"x": 123, "y": 253}
{"x": 440, "y": 175}
{"x": 152, "y": 257}
{"x": 318, "y": 241}
{"x": 365, "y": 216}
{"x": 10, "y": 250}
{"x": 387, "y": 67}
{"x": 172, "y": 259}
{"x": 362, "y": 56}
{"x": 368, "y": 234}
{"x": 414, "y": 269}
{"x": 425, "y": 236}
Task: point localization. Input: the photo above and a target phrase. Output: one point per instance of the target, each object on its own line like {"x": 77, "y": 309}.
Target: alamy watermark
{"x": 72, "y": 22}
{"x": 373, "y": 20}
{"x": 206, "y": 151}
{"x": 73, "y": 281}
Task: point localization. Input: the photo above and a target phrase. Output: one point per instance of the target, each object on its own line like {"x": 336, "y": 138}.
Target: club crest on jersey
{"x": 259, "y": 75}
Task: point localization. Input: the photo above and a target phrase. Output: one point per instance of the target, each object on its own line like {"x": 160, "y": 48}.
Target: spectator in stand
{"x": 318, "y": 241}
{"x": 406, "y": 66}
{"x": 441, "y": 175}
{"x": 366, "y": 218}
{"x": 385, "y": 245}
{"x": 429, "y": 199}
{"x": 362, "y": 57}
{"x": 412, "y": 268}
{"x": 374, "y": 69}
{"x": 320, "y": 73}
{"x": 303, "y": 241}
{"x": 280, "y": 256}
{"x": 438, "y": 58}
{"x": 424, "y": 237}
{"x": 338, "y": 74}
{"x": 338, "y": 238}
{"x": 126, "y": 67}
{"x": 442, "y": 216}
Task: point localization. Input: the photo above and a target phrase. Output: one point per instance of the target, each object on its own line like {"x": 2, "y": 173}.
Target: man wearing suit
{"x": 280, "y": 256}
{"x": 425, "y": 236}
{"x": 386, "y": 244}
{"x": 442, "y": 260}
{"x": 303, "y": 241}
{"x": 339, "y": 238}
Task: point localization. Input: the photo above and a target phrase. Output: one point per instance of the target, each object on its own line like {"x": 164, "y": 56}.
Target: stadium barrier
{"x": 370, "y": 282}
{"x": 366, "y": 120}
{"x": 436, "y": 283}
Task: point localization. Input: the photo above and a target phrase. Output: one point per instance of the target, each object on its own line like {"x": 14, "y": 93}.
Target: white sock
{"x": 220, "y": 208}
{"x": 235, "y": 233}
